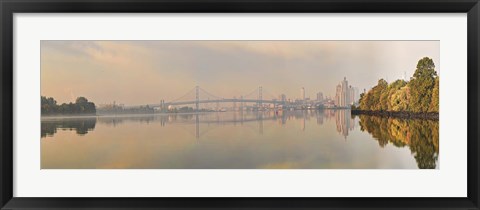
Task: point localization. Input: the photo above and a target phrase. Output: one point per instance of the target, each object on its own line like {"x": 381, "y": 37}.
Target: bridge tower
{"x": 196, "y": 98}
{"x": 260, "y": 97}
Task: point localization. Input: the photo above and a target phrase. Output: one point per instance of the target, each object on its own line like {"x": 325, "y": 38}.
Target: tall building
{"x": 356, "y": 95}
{"x": 319, "y": 96}
{"x": 352, "y": 95}
{"x": 345, "y": 100}
{"x": 302, "y": 94}
{"x": 338, "y": 95}
{"x": 343, "y": 92}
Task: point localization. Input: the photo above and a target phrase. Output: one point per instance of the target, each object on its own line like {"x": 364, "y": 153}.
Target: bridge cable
{"x": 249, "y": 94}
{"x": 189, "y": 92}
{"x": 209, "y": 94}
{"x": 268, "y": 93}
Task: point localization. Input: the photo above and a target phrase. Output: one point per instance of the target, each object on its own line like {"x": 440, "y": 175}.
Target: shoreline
{"x": 401, "y": 114}
{"x": 49, "y": 117}
{"x": 119, "y": 115}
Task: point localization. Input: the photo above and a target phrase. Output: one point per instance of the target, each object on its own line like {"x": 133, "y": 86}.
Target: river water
{"x": 320, "y": 139}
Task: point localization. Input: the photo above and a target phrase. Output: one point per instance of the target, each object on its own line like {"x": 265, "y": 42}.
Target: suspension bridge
{"x": 197, "y": 96}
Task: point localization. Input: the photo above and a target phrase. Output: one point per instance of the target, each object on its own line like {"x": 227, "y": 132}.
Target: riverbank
{"x": 406, "y": 115}
{"x": 119, "y": 115}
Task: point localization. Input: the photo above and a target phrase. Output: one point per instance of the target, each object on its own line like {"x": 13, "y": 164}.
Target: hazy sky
{"x": 144, "y": 72}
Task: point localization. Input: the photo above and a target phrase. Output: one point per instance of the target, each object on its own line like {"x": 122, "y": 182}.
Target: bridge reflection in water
{"x": 83, "y": 125}
{"x": 419, "y": 136}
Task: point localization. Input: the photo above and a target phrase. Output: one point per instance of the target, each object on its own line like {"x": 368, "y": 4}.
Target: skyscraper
{"x": 351, "y": 91}
{"x": 343, "y": 92}
{"x": 338, "y": 95}
{"x": 319, "y": 96}
{"x": 302, "y": 94}
{"x": 345, "y": 100}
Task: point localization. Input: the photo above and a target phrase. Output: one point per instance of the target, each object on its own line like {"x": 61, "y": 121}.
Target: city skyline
{"x": 143, "y": 72}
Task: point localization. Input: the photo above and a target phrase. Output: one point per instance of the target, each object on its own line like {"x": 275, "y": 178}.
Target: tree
{"x": 81, "y": 106}
{"x": 48, "y": 105}
{"x": 395, "y": 95}
{"x": 362, "y": 95}
{"x": 399, "y": 99}
{"x": 81, "y": 100}
{"x": 383, "y": 105}
{"x": 421, "y": 94}
{"x": 378, "y": 90}
{"x": 421, "y": 85}
{"x": 366, "y": 101}
{"x": 434, "y": 104}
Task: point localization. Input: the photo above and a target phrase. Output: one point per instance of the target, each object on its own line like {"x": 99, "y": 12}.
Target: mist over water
{"x": 316, "y": 139}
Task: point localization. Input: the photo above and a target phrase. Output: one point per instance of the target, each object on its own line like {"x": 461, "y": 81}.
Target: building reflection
{"x": 421, "y": 137}
{"x": 344, "y": 122}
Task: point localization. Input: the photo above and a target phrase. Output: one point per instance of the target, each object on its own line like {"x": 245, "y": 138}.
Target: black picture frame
{"x": 9, "y": 7}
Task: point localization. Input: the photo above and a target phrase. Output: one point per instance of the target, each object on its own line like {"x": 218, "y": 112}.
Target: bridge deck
{"x": 227, "y": 100}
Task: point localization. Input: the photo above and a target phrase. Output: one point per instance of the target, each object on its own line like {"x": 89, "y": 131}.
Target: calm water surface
{"x": 328, "y": 139}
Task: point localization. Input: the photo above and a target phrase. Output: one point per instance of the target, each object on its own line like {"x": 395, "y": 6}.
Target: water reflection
{"x": 343, "y": 119}
{"x": 80, "y": 125}
{"x": 289, "y": 139}
{"x": 344, "y": 122}
{"x": 421, "y": 136}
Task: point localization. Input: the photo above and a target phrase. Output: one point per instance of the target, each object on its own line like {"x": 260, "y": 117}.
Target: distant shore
{"x": 73, "y": 116}
{"x": 406, "y": 115}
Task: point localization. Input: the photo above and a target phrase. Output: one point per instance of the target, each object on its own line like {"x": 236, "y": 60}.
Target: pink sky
{"x": 144, "y": 72}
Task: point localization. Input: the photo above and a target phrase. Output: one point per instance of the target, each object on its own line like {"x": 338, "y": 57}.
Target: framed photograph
{"x": 239, "y": 104}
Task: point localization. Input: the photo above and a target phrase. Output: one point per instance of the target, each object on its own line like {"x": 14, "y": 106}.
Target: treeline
{"x": 186, "y": 109}
{"x": 114, "y": 109}
{"x": 81, "y": 106}
{"x": 419, "y": 95}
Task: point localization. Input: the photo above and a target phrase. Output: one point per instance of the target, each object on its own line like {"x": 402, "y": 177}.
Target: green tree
{"x": 48, "y": 105}
{"x": 81, "y": 106}
{"x": 377, "y": 92}
{"x": 383, "y": 103}
{"x": 394, "y": 96}
{"x": 434, "y": 104}
{"x": 366, "y": 101}
{"x": 421, "y": 94}
{"x": 399, "y": 99}
{"x": 421, "y": 85}
{"x": 81, "y": 100}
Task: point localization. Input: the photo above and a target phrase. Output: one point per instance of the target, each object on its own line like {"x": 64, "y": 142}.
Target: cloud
{"x": 136, "y": 72}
